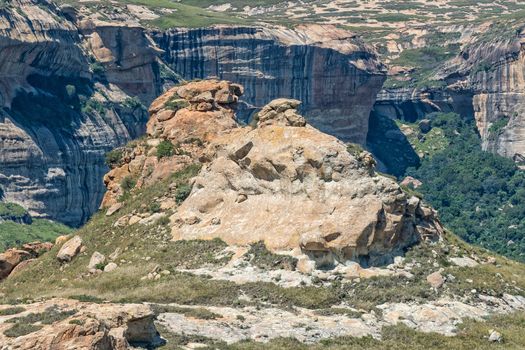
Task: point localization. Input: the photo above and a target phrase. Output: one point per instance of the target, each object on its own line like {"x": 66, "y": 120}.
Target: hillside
{"x": 390, "y": 280}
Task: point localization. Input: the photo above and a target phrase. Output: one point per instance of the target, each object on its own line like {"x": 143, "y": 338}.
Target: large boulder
{"x": 10, "y": 259}
{"x": 300, "y": 190}
{"x": 70, "y": 249}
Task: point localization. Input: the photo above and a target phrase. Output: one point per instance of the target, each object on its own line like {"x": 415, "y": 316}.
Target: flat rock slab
{"x": 267, "y": 324}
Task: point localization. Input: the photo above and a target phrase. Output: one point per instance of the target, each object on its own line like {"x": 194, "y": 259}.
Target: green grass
{"x": 12, "y": 311}
{"x": 13, "y": 234}
{"x": 12, "y": 210}
{"x": 21, "y": 329}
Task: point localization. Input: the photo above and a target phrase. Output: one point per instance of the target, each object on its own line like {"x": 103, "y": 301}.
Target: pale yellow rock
{"x": 70, "y": 249}
{"x": 276, "y": 184}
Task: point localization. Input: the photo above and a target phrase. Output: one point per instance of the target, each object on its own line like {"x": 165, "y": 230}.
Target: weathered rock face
{"x": 296, "y": 189}
{"x": 58, "y": 119}
{"x": 187, "y": 118}
{"x": 334, "y": 74}
{"x": 88, "y": 327}
{"x": 495, "y": 73}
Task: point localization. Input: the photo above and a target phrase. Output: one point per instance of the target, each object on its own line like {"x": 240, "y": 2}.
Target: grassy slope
{"x": 14, "y": 234}
{"x": 144, "y": 247}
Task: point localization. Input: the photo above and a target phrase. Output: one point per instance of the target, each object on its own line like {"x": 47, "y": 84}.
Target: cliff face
{"x": 485, "y": 81}
{"x": 335, "y": 75}
{"x": 63, "y": 109}
{"x": 496, "y": 76}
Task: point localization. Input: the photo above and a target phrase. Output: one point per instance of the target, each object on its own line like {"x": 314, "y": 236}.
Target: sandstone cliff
{"x": 64, "y": 100}
{"x": 334, "y": 73}
{"x": 491, "y": 66}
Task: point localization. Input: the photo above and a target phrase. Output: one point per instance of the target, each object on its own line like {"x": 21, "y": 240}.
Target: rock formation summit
{"x": 280, "y": 181}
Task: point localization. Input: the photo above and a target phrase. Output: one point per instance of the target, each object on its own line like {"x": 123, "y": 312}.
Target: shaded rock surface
{"x": 63, "y": 105}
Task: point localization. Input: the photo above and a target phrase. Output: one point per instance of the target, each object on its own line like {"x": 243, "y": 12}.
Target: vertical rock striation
{"x": 58, "y": 119}
{"x": 335, "y": 75}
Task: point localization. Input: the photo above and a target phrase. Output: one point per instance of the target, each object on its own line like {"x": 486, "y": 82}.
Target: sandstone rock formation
{"x": 491, "y": 66}
{"x": 294, "y": 187}
{"x": 334, "y": 73}
{"x": 87, "y": 327}
{"x": 282, "y": 182}
{"x": 70, "y": 249}
{"x": 187, "y": 117}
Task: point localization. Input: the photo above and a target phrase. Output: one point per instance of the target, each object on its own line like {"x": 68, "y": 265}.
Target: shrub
{"x": 154, "y": 207}
{"x": 175, "y": 103}
{"x": 93, "y": 106}
{"x": 21, "y": 329}
{"x": 114, "y": 157}
{"x": 12, "y": 311}
{"x": 182, "y": 192}
{"x": 71, "y": 91}
{"x": 165, "y": 149}
{"x": 128, "y": 183}
{"x": 133, "y": 103}
{"x": 97, "y": 68}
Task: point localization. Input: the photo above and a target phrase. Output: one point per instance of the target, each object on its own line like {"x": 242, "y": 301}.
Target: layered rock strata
{"x": 333, "y": 73}
{"x": 67, "y": 100}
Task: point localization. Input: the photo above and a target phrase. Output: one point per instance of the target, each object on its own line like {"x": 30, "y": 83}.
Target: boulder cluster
{"x": 14, "y": 260}
{"x": 188, "y": 117}
{"x": 87, "y": 326}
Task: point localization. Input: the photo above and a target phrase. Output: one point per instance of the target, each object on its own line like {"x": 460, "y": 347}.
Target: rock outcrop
{"x": 85, "y": 326}
{"x": 335, "y": 74}
{"x": 293, "y": 187}
{"x": 186, "y": 119}
{"x": 282, "y": 182}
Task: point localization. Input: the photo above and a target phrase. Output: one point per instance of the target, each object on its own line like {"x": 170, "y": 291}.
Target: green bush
{"x": 92, "y": 106}
{"x": 128, "y": 183}
{"x": 165, "y": 149}
{"x": 182, "y": 192}
{"x": 176, "y": 103}
{"x": 114, "y": 157}
{"x": 133, "y": 103}
{"x": 97, "y": 68}
{"x": 12, "y": 210}
{"x": 21, "y": 329}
